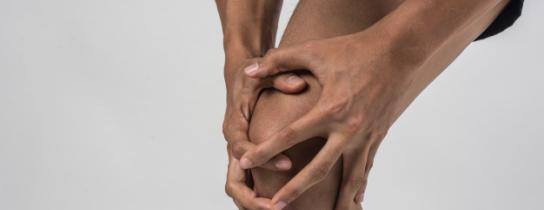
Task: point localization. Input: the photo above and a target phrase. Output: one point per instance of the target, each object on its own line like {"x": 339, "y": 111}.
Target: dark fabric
{"x": 508, "y": 16}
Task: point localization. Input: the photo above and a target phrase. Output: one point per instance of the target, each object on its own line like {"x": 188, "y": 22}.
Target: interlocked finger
{"x": 236, "y": 188}
{"x": 370, "y": 162}
{"x": 279, "y": 162}
{"x": 353, "y": 164}
{"x": 312, "y": 173}
{"x": 302, "y": 129}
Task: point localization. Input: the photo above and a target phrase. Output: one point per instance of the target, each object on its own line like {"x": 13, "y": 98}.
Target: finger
{"x": 235, "y": 132}
{"x": 370, "y": 163}
{"x": 306, "y": 127}
{"x": 289, "y": 83}
{"x": 246, "y": 91}
{"x": 352, "y": 177}
{"x": 311, "y": 174}
{"x": 278, "y": 163}
{"x": 229, "y": 179}
{"x": 240, "y": 192}
{"x": 238, "y": 143}
{"x": 279, "y": 60}
{"x": 248, "y": 95}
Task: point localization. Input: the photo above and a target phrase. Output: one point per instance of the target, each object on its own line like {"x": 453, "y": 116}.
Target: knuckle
{"x": 337, "y": 110}
{"x": 232, "y": 131}
{"x": 271, "y": 52}
{"x": 354, "y": 124}
{"x": 238, "y": 149}
{"x": 271, "y": 55}
{"x": 227, "y": 133}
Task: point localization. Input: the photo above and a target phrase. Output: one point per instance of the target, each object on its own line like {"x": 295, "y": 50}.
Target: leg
{"x": 322, "y": 19}
{"x": 311, "y": 20}
{"x": 273, "y": 111}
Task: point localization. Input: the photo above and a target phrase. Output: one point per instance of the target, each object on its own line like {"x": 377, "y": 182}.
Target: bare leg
{"x": 318, "y": 19}
{"x": 273, "y": 111}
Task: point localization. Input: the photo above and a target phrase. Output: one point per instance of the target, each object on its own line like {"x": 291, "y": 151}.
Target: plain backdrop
{"x": 118, "y": 105}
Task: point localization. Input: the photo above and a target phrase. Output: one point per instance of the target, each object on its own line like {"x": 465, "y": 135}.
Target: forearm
{"x": 418, "y": 28}
{"x": 249, "y": 26}
{"x": 439, "y": 48}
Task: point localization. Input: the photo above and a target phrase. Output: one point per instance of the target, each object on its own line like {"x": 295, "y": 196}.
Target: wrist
{"x": 241, "y": 45}
{"x": 235, "y": 58}
{"x": 251, "y": 37}
{"x": 249, "y": 26}
{"x": 238, "y": 50}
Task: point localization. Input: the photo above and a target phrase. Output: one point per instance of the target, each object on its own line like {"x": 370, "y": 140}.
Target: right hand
{"x": 242, "y": 94}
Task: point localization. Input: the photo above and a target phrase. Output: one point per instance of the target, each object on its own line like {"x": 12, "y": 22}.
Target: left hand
{"x": 239, "y": 188}
{"x": 242, "y": 93}
{"x": 362, "y": 92}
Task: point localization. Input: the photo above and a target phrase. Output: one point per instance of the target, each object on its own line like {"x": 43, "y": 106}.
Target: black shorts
{"x": 508, "y": 16}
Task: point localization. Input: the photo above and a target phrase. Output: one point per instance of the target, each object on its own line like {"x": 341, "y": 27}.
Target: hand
{"x": 242, "y": 93}
{"x": 361, "y": 97}
{"x": 238, "y": 188}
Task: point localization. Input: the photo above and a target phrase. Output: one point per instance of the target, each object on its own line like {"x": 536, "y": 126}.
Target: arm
{"x": 417, "y": 29}
{"x": 368, "y": 80}
{"x": 249, "y": 28}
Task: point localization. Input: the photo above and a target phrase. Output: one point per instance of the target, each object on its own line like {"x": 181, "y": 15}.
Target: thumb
{"x": 289, "y": 83}
{"x": 279, "y": 60}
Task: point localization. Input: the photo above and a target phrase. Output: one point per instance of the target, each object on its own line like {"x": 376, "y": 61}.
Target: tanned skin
{"x": 432, "y": 45}
{"x": 274, "y": 109}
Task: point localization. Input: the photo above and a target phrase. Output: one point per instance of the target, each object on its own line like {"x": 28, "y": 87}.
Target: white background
{"x": 117, "y": 105}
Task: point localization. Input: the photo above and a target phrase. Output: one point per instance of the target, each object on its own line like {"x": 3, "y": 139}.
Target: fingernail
{"x": 280, "y": 205}
{"x": 245, "y": 163}
{"x": 294, "y": 79}
{"x": 251, "y": 70}
{"x": 283, "y": 164}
